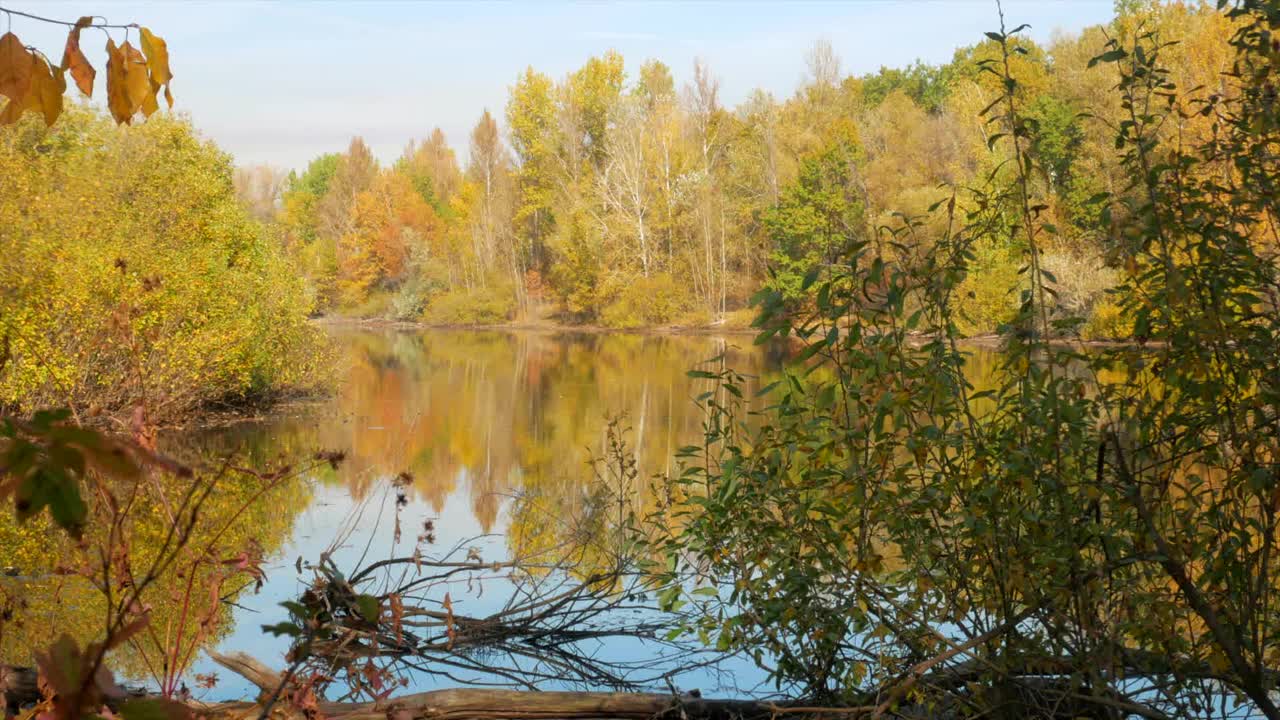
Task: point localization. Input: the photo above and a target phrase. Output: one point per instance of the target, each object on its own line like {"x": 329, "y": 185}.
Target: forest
{"x": 611, "y": 196}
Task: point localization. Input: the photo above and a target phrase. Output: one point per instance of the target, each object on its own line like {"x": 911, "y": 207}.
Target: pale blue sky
{"x": 280, "y": 82}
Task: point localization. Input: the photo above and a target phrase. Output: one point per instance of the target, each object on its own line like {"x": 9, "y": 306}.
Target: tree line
{"x": 614, "y": 196}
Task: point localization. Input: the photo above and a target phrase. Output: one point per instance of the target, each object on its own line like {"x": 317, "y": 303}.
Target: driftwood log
{"x": 473, "y": 703}
{"x": 19, "y": 688}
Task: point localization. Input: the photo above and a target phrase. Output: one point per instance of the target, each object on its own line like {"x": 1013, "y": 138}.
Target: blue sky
{"x": 280, "y": 82}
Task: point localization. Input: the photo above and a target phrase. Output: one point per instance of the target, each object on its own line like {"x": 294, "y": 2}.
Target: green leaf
{"x": 283, "y": 628}
{"x": 368, "y": 607}
{"x": 1108, "y": 56}
{"x": 810, "y": 277}
{"x": 723, "y": 641}
{"x": 767, "y": 388}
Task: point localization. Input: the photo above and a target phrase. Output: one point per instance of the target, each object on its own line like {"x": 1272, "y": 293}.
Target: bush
{"x": 480, "y": 306}
{"x": 646, "y": 302}
{"x": 132, "y": 276}
{"x": 409, "y": 302}
{"x": 695, "y": 318}
{"x": 1107, "y": 321}
{"x": 882, "y": 532}
{"x": 988, "y": 296}
{"x": 740, "y": 319}
{"x": 377, "y": 305}
{"x": 1080, "y": 279}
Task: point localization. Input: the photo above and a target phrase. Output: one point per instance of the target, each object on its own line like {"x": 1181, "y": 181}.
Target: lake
{"x": 495, "y": 430}
{"x": 478, "y": 419}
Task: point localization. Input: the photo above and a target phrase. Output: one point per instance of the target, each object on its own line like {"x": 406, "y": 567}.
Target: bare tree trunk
{"x": 723, "y": 274}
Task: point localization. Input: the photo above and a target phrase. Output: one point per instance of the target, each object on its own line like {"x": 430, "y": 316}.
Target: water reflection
{"x": 48, "y": 588}
{"x": 499, "y": 412}
{"x": 477, "y": 418}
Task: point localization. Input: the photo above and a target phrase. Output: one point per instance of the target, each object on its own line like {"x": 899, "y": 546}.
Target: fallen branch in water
{"x": 474, "y": 703}
{"x": 363, "y": 630}
{"x": 18, "y": 686}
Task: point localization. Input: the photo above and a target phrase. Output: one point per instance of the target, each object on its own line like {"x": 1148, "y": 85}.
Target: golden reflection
{"x": 49, "y": 583}
{"x": 481, "y": 416}
{"x": 494, "y": 414}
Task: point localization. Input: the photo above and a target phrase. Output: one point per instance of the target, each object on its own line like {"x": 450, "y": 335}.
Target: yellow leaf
{"x": 137, "y": 84}
{"x": 73, "y": 59}
{"x": 12, "y": 111}
{"x": 157, "y": 57}
{"x": 150, "y": 104}
{"x": 118, "y": 103}
{"x": 45, "y": 93}
{"x": 51, "y": 96}
{"x": 15, "y": 67}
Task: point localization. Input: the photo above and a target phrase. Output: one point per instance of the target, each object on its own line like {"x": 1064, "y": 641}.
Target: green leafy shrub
{"x": 482, "y": 306}
{"x": 132, "y": 276}
{"x": 988, "y": 296}
{"x": 1089, "y": 535}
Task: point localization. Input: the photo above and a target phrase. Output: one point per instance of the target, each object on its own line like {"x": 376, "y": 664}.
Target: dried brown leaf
{"x": 16, "y": 65}
{"x": 48, "y": 85}
{"x": 137, "y": 82}
{"x": 12, "y": 111}
{"x": 118, "y": 103}
{"x": 149, "y": 103}
{"x": 75, "y": 62}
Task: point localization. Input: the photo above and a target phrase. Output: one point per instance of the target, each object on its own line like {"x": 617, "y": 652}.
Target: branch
{"x": 104, "y": 24}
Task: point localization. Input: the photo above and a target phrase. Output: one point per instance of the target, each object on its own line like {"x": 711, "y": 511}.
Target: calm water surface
{"x": 477, "y": 418}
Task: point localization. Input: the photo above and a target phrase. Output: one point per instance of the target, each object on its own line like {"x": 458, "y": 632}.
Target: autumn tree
{"x": 816, "y": 219}
{"x": 354, "y": 173}
{"x": 530, "y": 116}
{"x": 490, "y": 171}
{"x": 260, "y": 188}
{"x": 432, "y": 167}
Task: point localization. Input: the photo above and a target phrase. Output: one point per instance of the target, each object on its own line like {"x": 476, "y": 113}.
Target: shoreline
{"x": 283, "y": 404}
{"x": 552, "y": 328}
{"x": 987, "y": 340}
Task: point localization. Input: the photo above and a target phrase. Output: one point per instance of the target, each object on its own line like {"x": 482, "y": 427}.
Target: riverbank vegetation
{"x": 614, "y": 196}
{"x": 132, "y": 278}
